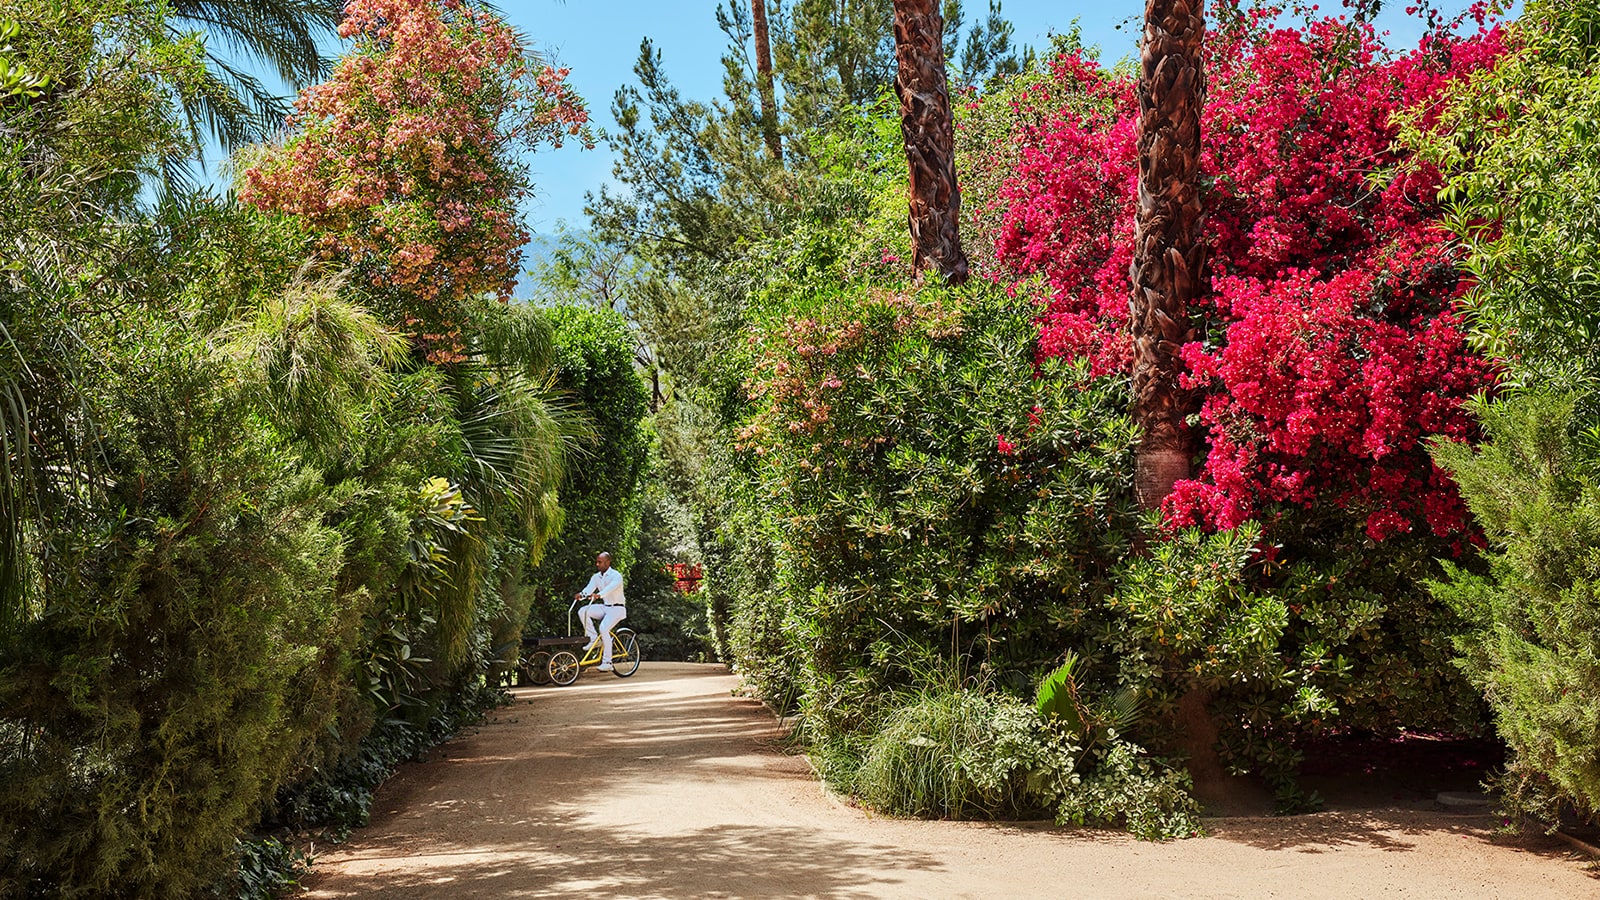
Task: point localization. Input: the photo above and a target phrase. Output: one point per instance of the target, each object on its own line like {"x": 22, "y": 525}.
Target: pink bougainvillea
{"x": 406, "y": 162}
{"x": 1331, "y": 347}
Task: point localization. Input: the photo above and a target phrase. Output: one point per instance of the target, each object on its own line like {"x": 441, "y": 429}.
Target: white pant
{"x": 608, "y": 617}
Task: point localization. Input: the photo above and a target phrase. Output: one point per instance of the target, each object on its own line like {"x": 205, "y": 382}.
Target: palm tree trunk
{"x": 930, "y": 140}
{"x": 769, "y": 104}
{"x": 1169, "y": 257}
{"x": 1168, "y": 252}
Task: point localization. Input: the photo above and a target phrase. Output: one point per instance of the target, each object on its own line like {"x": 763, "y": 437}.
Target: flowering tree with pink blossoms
{"x": 1332, "y": 348}
{"x": 407, "y": 163}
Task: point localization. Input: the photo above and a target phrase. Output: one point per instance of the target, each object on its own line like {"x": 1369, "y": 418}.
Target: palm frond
{"x": 232, "y": 106}
{"x": 514, "y": 335}
{"x": 312, "y": 357}
{"x": 47, "y": 450}
{"x": 282, "y": 36}
{"x": 518, "y": 435}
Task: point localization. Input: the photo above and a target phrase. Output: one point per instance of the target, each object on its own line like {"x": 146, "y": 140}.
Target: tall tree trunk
{"x": 930, "y": 140}
{"x": 1169, "y": 258}
{"x": 1168, "y": 253}
{"x": 769, "y": 103}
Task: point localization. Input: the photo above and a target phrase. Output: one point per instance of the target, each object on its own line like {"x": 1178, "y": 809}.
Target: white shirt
{"x": 608, "y": 585}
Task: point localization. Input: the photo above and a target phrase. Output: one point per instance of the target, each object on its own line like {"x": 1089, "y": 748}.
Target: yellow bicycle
{"x": 556, "y": 660}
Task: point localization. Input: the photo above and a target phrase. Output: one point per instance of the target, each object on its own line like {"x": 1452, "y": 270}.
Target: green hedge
{"x": 192, "y": 651}
{"x": 602, "y": 493}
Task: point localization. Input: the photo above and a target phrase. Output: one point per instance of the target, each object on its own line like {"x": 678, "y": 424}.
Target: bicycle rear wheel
{"x": 538, "y": 666}
{"x": 625, "y": 656}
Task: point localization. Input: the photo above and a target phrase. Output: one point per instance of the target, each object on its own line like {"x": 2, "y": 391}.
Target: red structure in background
{"x": 686, "y": 577}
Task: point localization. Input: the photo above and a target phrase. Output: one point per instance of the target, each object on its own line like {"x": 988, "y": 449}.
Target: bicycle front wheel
{"x": 625, "y": 656}
{"x": 564, "y": 667}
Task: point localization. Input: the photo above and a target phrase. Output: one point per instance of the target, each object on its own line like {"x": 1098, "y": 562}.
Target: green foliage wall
{"x": 246, "y": 524}
{"x": 192, "y": 651}
{"x": 602, "y": 492}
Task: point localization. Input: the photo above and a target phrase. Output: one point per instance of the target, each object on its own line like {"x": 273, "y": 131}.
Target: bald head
{"x": 603, "y": 561}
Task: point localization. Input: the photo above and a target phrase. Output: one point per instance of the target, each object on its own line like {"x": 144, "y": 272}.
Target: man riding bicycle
{"x": 608, "y": 607}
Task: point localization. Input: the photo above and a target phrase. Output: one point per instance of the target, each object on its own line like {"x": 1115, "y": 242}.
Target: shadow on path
{"x": 726, "y": 861}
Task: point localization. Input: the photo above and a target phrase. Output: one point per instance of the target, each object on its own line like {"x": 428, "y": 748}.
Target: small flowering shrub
{"x": 406, "y": 162}
{"x": 1330, "y": 344}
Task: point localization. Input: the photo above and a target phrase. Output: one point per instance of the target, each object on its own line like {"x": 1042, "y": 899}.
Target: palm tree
{"x": 1168, "y": 253}
{"x": 929, "y": 135}
{"x": 231, "y": 104}
{"x": 1169, "y": 259}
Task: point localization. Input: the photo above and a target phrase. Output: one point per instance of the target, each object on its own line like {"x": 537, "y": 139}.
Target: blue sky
{"x": 599, "y": 41}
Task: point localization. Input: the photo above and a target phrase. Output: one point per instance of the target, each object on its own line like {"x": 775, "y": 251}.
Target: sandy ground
{"x": 666, "y": 785}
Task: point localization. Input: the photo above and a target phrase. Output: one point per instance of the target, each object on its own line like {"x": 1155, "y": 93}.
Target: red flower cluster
{"x": 686, "y": 577}
{"x": 1332, "y": 351}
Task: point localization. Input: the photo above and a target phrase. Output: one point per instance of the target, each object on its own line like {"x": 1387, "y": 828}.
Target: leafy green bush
{"x": 1535, "y": 644}
{"x": 1517, "y": 149}
{"x": 240, "y": 524}
{"x": 1119, "y": 784}
{"x": 1516, "y": 145}
{"x": 934, "y": 495}
{"x": 937, "y": 500}
{"x": 931, "y": 493}
{"x": 337, "y": 798}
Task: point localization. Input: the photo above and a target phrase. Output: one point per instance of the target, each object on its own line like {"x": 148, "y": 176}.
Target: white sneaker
{"x": 605, "y": 667}
{"x": 591, "y": 645}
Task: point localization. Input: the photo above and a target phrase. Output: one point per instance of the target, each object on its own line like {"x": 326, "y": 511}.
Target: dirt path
{"x": 664, "y": 785}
